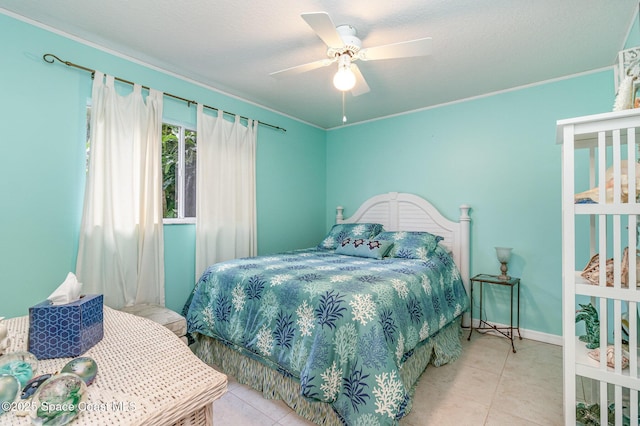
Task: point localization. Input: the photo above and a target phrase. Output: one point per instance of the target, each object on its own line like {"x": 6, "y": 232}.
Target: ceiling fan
{"x": 344, "y": 47}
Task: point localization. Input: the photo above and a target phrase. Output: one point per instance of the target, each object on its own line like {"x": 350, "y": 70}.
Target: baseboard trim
{"x": 538, "y": 336}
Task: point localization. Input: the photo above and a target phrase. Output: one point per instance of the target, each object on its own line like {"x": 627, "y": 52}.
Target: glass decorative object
{"x": 503, "y": 254}
{"x": 9, "y": 389}
{"x": 84, "y": 367}
{"x": 57, "y": 401}
{"x": 22, "y": 365}
{"x": 32, "y": 385}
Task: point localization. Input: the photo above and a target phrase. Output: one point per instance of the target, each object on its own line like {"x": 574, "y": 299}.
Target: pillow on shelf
{"x": 410, "y": 244}
{"x": 349, "y": 230}
{"x": 361, "y": 247}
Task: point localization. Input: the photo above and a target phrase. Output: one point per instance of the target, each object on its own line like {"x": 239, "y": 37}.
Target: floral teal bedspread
{"x": 340, "y": 325}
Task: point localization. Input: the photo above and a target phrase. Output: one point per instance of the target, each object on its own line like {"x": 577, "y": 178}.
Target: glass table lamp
{"x": 504, "y": 254}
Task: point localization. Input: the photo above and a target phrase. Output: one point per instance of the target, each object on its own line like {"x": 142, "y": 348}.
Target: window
{"x": 179, "y": 161}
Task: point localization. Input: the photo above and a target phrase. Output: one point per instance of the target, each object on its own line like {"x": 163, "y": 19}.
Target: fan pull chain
{"x": 344, "y": 115}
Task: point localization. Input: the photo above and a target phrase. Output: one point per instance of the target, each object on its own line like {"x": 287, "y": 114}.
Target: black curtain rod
{"x": 51, "y": 58}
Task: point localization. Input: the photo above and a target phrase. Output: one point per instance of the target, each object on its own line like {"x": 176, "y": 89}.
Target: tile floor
{"x": 488, "y": 385}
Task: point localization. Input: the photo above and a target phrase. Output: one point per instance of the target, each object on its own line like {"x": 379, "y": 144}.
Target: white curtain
{"x": 121, "y": 252}
{"x": 225, "y": 190}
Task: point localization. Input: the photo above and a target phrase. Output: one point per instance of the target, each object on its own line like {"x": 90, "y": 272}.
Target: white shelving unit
{"x": 594, "y": 151}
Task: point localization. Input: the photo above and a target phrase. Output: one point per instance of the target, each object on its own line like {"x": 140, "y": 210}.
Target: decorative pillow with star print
{"x": 410, "y": 244}
{"x": 363, "y": 247}
{"x": 349, "y": 230}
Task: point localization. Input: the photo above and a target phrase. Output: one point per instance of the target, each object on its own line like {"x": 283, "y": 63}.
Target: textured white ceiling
{"x": 479, "y": 46}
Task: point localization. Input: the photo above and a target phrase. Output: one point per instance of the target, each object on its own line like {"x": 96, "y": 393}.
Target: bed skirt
{"x": 440, "y": 349}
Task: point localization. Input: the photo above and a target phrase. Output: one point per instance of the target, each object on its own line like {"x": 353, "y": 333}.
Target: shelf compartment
{"x": 607, "y": 209}
{"x": 590, "y": 368}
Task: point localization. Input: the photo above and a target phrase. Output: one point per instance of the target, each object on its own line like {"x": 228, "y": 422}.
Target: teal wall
{"x": 633, "y": 40}
{"x": 43, "y": 117}
{"x": 496, "y": 153}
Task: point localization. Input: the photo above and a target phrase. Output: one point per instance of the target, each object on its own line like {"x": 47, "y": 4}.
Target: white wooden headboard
{"x": 398, "y": 211}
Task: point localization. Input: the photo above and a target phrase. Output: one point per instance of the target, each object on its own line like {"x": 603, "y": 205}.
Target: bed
{"x": 342, "y": 332}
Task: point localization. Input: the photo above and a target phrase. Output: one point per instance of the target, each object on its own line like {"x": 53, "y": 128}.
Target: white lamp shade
{"x": 504, "y": 254}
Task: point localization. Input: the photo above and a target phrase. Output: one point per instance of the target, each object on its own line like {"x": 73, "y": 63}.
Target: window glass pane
{"x": 190, "y": 164}
{"x": 170, "y": 150}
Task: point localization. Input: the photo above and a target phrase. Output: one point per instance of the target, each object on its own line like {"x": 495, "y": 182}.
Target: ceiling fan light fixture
{"x": 344, "y": 47}
{"x": 344, "y": 79}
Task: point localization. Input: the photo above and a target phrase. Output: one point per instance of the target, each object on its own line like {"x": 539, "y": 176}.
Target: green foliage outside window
{"x": 170, "y": 167}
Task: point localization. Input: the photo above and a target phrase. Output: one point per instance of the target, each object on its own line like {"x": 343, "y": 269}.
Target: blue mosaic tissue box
{"x": 60, "y": 331}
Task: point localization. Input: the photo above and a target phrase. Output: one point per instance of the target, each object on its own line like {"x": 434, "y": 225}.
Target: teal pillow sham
{"x": 349, "y": 230}
{"x": 361, "y": 247}
{"x": 410, "y": 244}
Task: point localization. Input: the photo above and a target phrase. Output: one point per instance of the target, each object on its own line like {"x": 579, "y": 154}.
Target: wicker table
{"x": 146, "y": 375}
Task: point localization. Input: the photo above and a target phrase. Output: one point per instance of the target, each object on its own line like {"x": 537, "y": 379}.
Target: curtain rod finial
{"x": 49, "y": 57}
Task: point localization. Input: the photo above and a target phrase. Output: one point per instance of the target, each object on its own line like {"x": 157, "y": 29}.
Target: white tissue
{"x": 66, "y": 292}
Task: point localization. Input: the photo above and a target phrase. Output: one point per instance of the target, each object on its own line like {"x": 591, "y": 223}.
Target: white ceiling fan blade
{"x": 299, "y": 69}
{"x": 403, "y": 49}
{"x": 322, "y": 24}
{"x": 361, "y": 86}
